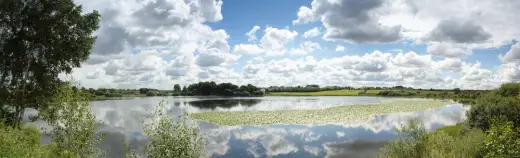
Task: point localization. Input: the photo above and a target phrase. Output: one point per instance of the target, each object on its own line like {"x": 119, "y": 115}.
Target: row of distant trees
{"x": 317, "y": 88}
{"x": 201, "y": 89}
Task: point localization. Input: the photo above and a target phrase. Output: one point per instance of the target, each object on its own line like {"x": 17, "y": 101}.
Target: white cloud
{"x": 158, "y": 43}
{"x": 251, "y": 49}
{"x": 312, "y": 33}
{"x": 411, "y": 59}
{"x": 350, "y": 21}
{"x": 252, "y": 34}
{"x": 305, "y": 15}
{"x": 453, "y": 64}
{"x": 340, "y": 48}
{"x": 448, "y": 50}
{"x": 274, "y": 40}
{"x": 513, "y": 55}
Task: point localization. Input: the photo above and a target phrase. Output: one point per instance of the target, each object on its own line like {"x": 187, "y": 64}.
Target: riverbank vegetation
{"x": 492, "y": 129}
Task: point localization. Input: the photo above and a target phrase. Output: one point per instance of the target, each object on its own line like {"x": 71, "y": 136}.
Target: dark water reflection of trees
{"x": 213, "y": 104}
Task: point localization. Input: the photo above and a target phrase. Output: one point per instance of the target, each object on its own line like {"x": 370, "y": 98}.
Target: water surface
{"x": 122, "y": 120}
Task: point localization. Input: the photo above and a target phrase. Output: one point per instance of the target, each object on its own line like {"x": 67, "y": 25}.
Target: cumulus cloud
{"x": 510, "y": 69}
{"x": 513, "y": 55}
{"x": 340, "y": 48}
{"x": 453, "y": 64}
{"x": 252, "y": 33}
{"x": 251, "y": 49}
{"x": 448, "y": 50}
{"x": 213, "y": 57}
{"x": 159, "y": 43}
{"x": 305, "y": 48}
{"x": 305, "y": 15}
{"x": 458, "y": 31}
{"x": 350, "y": 20}
{"x": 411, "y": 59}
{"x": 312, "y": 33}
{"x": 274, "y": 40}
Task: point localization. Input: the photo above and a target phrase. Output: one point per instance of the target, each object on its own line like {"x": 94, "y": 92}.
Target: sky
{"x": 468, "y": 44}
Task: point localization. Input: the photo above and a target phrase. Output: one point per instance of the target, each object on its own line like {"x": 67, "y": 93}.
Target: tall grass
{"x": 415, "y": 142}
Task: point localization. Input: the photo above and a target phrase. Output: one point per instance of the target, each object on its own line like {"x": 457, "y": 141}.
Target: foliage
{"x": 177, "y": 88}
{"x": 73, "y": 124}
{"x": 415, "y": 142}
{"x": 170, "y": 138}
{"x": 502, "y": 140}
{"x": 509, "y": 90}
{"x": 494, "y": 105}
{"x": 24, "y": 142}
{"x": 39, "y": 40}
{"x": 334, "y": 115}
{"x": 396, "y": 93}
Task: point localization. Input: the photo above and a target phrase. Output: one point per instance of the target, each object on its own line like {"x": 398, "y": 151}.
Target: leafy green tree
{"x": 40, "y": 39}
{"x": 502, "y": 140}
{"x": 456, "y": 90}
{"x": 177, "y": 88}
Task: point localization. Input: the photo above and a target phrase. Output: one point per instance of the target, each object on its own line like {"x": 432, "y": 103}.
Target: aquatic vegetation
{"x": 333, "y": 115}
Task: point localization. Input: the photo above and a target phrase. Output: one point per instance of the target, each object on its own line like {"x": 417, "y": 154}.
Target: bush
{"x": 414, "y": 142}
{"x": 491, "y": 106}
{"x": 150, "y": 94}
{"x": 509, "y": 89}
{"x": 170, "y": 138}
{"x": 502, "y": 140}
{"x": 73, "y": 125}
{"x": 113, "y": 95}
{"x": 24, "y": 142}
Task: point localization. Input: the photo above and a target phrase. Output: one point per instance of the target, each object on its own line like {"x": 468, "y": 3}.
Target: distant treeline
{"x": 307, "y": 88}
{"x": 200, "y": 89}
{"x": 454, "y": 93}
{"x": 317, "y": 88}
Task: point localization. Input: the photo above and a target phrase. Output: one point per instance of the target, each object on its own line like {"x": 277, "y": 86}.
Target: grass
{"x": 450, "y": 141}
{"x": 333, "y": 115}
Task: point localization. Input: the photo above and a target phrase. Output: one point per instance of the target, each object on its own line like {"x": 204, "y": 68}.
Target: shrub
{"x": 170, "y": 138}
{"x": 414, "y": 142}
{"x": 502, "y": 140}
{"x": 491, "y": 106}
{"x": 24, "y": 142}
{"x": 73, "y": 125}
{"x": 509, "y": 89}
{"x": 150, "y": 94}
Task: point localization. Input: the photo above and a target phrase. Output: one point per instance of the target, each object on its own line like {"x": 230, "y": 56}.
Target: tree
{"x": 456, "y": 90}
{"x": 39, "y": 40}
{"x": 177, "y": 88}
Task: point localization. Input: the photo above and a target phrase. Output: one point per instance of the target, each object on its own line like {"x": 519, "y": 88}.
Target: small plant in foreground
{"x": 170, "y": 138}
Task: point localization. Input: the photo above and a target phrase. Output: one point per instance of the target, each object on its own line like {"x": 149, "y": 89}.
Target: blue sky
{"x": 420, "y": 43}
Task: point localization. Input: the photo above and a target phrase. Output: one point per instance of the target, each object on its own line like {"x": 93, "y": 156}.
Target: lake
{"x": 122, "y": 120}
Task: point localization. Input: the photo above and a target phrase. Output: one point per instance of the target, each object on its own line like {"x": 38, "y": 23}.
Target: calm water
{"x": 122, "y": 120}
